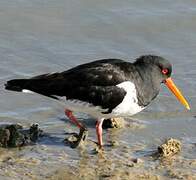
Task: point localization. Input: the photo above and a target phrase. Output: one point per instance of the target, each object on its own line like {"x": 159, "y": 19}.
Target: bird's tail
{"x": 16, "y": 84}
{"x": 45, "y": 84}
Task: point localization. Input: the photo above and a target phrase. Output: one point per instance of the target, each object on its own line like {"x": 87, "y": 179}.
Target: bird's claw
{"x": 79, "y": 139}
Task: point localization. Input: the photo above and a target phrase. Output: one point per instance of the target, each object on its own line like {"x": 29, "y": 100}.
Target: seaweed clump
{"x": 14, "y": 135}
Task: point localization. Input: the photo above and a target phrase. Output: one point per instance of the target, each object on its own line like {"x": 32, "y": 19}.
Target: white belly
{"x": 129, "y": 106}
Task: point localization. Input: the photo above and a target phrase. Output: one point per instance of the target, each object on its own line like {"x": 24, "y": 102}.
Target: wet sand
{"x": 117, "y": 161}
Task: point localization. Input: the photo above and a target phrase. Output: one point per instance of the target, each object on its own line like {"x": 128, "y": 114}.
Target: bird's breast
{"x": 129, "y": 106}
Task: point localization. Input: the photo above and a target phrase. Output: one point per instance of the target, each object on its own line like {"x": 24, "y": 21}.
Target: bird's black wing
{"x": 107, "y": 97}
{"x": 106, "y": 72}
{"x": 93, "y": 82}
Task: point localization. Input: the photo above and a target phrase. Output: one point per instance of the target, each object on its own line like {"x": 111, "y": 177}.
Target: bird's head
{"x": 164, "y": 69}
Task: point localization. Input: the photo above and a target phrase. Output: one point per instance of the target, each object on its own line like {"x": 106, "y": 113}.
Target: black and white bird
{"x": 104, "y": 88}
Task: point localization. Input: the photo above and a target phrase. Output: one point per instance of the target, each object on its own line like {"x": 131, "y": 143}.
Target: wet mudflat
{"x": 122, "y": 158}
{"x": 40, "y": 37}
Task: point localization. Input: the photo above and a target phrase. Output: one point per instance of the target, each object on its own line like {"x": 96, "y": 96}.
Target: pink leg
{"x": 99, "y": 132}
{"x": 70, "y": 115}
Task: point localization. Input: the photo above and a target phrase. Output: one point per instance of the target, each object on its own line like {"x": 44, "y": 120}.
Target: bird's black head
{"x": 163, "y": 66}
{"x": 155, "y": 70}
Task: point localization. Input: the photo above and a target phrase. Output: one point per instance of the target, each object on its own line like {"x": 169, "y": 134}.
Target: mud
{"x": 110, "y": 166}
{"x": 122, "y": 161}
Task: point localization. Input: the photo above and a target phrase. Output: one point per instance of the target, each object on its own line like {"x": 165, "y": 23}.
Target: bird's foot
{"x": 77, "y": 140}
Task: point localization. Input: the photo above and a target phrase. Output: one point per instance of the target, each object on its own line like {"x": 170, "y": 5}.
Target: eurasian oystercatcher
{"x": 104, "y": 88}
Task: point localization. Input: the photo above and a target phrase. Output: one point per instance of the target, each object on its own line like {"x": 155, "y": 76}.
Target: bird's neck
{"x": 147, "y": 84}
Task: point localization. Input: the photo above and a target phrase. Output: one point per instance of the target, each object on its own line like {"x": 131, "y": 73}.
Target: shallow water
{"x": 47, "y": 36}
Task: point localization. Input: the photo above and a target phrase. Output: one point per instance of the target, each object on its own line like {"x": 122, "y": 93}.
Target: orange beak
{"x": 170, "y": 84}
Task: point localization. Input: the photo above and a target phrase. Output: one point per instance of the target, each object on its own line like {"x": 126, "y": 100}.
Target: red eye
{"x": 165, "y": 71}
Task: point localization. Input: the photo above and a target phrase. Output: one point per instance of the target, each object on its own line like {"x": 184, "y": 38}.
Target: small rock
{"x": 130, "y": 164}
{"x": 113, "y": 123}
{"x": 137, "y": 160}
{"x": 169, "y": 148}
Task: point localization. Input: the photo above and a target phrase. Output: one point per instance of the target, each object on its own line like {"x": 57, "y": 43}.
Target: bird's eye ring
{"x": 165, "y": 71}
